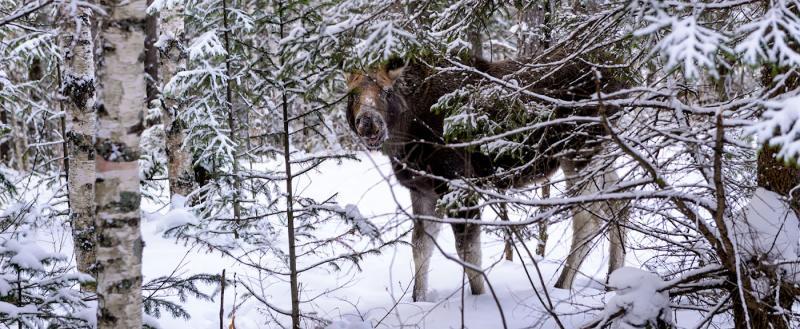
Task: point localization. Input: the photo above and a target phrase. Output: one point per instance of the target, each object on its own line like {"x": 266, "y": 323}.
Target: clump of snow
{"x": 638, "y": 298}
{"x": 88, "y": 314}
{"x": 27, "y": 255}
{"x": 361, "y": 222}
{"x": 13, "y": 311}
{"x": 150, "y": 322}
{"x": 769, "y": 230}
{"x": 178, "y": 215}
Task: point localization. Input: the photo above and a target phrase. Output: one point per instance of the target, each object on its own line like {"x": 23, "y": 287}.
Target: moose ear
{"x": 350, "y": 79}
{"x": 394, "y": 67}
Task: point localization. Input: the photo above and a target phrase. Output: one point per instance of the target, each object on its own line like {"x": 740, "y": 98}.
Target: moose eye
{"x": 385, "y": 93}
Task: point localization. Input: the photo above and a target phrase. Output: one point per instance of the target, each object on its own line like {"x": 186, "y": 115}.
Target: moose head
{"x": 373, "y": 101}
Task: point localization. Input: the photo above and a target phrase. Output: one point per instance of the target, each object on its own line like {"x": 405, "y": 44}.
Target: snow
{"x": 780, "y": 127}
{"x": 26, "y": 254}
{"x": 386, "y": 38}
{"x": 687, "y": 44}
{"x": 380, "y": 295}
{"x": 769, "y": 229}
{"x": 150, "y": 321}
{"x": 638, "y": 297}
{"x": 13, "y": 311}
{"x": 206, "y": 45}
{"x": 159, "y": 5}
{"x": 767, "y": 38}
{"x": 363, "y": 225}
{"x": 345, "y": 323}
{"x": 88, "y": 314}
{"x": 177, "y": 216}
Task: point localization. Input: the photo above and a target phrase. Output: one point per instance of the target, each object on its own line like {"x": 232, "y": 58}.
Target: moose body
{"x": 390, "y": 108}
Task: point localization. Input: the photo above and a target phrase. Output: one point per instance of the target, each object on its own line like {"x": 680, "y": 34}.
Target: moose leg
{"x": 423, "y": 203}
{"x": 617, "y": 212}
{"x": 584, "y": 229}
{"x": 585, "y": 226}
{"x": 468, "y": 246}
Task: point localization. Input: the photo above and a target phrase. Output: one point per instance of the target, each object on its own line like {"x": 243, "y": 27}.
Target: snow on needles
{"x": 770, "y": 37}
{"x": 159, "y": 5}
{"x": 638, "y": 298}
{"x": 27, "y": 255}
{"x": 206, "y": 45}
{"x": 780, "y": 127}
{"x": 687, "y": 44}
{"x": 384, "y": 37}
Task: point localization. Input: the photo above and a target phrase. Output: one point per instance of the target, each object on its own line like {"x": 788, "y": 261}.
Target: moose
{"x": 389, "y": 108}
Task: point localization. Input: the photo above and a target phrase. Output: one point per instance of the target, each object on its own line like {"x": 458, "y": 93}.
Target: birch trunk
{"x": 179, "y": 160}
{"x": 78, "y": 85}
{"x": 119, "y": 242}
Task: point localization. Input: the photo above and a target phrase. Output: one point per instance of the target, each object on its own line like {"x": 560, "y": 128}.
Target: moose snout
{"x": 371, "y": 127}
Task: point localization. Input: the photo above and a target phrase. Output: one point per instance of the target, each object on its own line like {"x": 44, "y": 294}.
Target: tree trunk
{"x": 119, "y": 242}
{"x": 533, "y": 34}
{"x": 533, "y": 37}
{"x": 151, "y": 58}
{"x": 78, "y": 86}
{"x": 5, "y": 149}
{"x": 232, "y": 122}
{"x": 19, "y": 139}
{"x": 179, "y": 160}
{"x": 777, "y": 176}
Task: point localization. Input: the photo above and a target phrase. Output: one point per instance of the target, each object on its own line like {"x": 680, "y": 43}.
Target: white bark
{"x": 179, "y": 163}
{"x": 119, "y": 242}
{"x": 78, "y": 85}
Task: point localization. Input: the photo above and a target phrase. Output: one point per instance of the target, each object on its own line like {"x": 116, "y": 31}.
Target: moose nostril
{"x": 365, "y": 125}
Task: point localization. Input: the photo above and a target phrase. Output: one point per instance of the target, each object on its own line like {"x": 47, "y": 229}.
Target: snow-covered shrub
{"x": 639, "y": 301}
{"x": 37, "y": 290}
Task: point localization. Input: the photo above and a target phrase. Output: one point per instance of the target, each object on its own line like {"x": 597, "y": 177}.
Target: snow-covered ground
{"x": 380, "y": 294}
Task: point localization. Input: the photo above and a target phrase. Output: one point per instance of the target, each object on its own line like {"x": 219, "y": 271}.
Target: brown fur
{"x": 402, "y": 97}
{"x": 415, "y": 133}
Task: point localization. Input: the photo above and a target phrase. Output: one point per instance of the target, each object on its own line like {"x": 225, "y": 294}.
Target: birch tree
{"x": 119, "y": 248}
{"x": 172, "y": 44}
{"x": 78, "y": 85}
